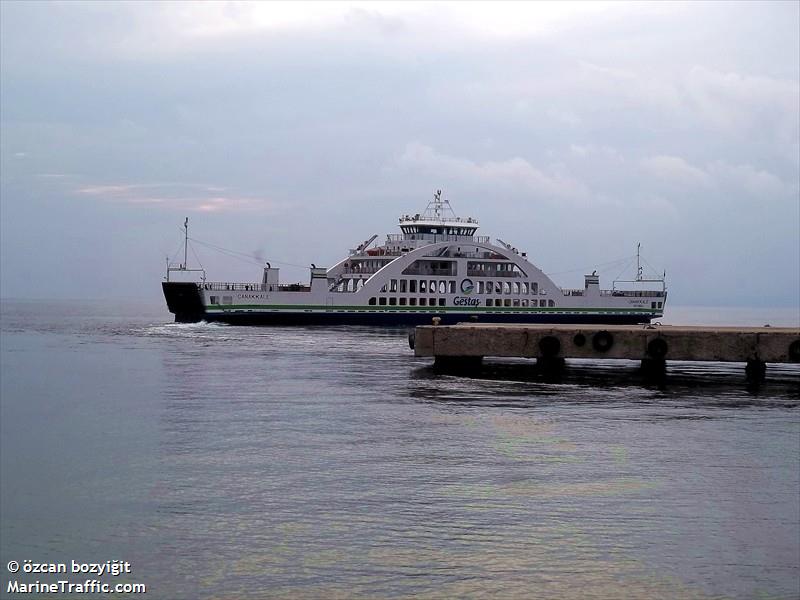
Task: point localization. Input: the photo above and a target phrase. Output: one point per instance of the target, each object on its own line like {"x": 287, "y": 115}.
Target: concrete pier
{"x": 462, "y": 346}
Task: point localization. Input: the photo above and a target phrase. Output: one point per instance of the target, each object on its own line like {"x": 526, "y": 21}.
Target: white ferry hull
{"x": 186, "y": 301}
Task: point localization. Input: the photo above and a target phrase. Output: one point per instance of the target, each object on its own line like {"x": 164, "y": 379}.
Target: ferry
{"x": 435, "y": 267}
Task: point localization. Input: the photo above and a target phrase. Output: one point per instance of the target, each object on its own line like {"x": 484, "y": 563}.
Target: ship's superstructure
{"x": 436, "y": 267}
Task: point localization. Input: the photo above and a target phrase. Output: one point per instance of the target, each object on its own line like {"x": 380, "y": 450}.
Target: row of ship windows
{"x": 442, "y": 302}
{"x": 438, "y": 231}
{"x": 422, "y": 286}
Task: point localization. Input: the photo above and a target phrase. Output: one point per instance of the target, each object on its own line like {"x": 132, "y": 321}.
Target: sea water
{"x": 231, "y": 462}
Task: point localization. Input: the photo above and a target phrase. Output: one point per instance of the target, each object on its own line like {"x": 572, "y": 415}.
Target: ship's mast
{"x": 439, "y": 209}
{"x": 639, "y": 275}
{"x": 638, "y": 262}
{"x": 185, "y": 242}
{"x": 185, "y": 265}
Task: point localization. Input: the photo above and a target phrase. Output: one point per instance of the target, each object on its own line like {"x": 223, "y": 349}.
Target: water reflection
{"x": 291, "y": 462}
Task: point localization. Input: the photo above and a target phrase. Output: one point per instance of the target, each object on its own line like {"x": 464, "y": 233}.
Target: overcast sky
{"x": 295, "y": 131}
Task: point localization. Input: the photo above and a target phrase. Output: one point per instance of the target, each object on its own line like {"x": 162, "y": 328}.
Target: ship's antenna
{"x": 185, "y": 241}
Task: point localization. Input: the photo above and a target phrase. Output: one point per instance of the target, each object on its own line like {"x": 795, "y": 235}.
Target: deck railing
{"x": 436, "y": 237}
{"x": 634, "y": 293}
{"x": 619, "y": 293}
{"x": 254, "y": 287}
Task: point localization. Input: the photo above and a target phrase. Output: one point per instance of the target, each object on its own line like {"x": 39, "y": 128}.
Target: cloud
{"x": 174, "y": 196}
{"x": 564, "y": 116}
{"x": 757, "y": 182}
{"x": 594, "y": 151}
{"x": 183, "y": 26}
{"x": 591, "y": 116}
{"x": 736, "y": 101}
{"x": 108, "y": 190}
{"x": 675, "y": 169}
{"x": 691, "y": 96}
{"x": 514, "y": 172}
{"x": 720, "y": 175}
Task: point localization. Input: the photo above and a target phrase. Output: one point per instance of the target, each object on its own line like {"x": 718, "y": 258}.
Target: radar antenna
{"x": 439, "y": 209}
{"x": 437, "y": 203}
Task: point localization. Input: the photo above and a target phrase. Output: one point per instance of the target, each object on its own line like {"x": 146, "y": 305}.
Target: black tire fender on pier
{"x": 657, "y": 348}
{"x": 549, "y": 346}
{"x": 794, "y": 351}
{"x": 602, "y": 341}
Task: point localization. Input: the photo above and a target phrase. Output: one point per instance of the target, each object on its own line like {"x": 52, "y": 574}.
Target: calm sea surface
{"x": 228, "y": 462}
